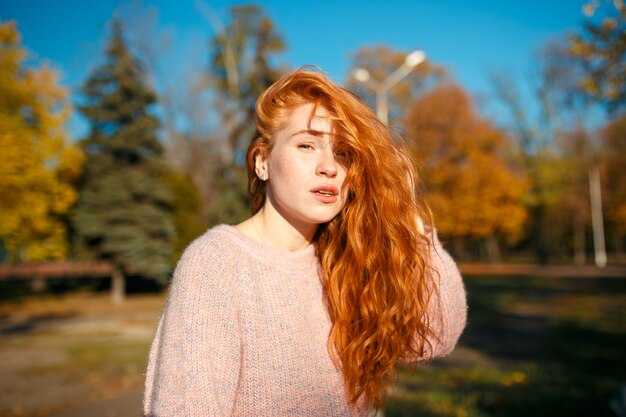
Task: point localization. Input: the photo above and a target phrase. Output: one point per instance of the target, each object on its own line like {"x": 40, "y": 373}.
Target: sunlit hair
{"x": 372, "y": 254}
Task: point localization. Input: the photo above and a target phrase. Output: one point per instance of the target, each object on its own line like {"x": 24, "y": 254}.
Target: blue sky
{"x": 468, "y": 37}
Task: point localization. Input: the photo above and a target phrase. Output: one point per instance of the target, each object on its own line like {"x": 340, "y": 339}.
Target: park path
{"x": 76, "y": 355}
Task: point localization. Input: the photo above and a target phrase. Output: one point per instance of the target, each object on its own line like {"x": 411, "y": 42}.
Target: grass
{"x": 532, "y": 347}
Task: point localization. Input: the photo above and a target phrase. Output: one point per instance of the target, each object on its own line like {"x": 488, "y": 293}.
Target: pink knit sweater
{"x": 245, "y": 332}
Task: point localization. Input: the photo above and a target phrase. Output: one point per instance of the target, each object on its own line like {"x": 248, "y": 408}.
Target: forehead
{"x": 309, "y": 117}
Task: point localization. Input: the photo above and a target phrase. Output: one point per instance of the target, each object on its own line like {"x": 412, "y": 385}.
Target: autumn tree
{"x": 124, "y": 211}
{"x": 602, "y": 48}
{"x": 471, "y": 188}
{"x": 553, "y": 148}
{"x": 568, "y": 152}
{"x": 614, "y": 172}
{"x": 37, "y": 165}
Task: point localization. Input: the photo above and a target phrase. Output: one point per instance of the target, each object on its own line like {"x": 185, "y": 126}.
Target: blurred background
{"x": 123, "y": 131}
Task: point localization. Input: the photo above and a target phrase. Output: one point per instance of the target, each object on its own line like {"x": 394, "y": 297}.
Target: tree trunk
{"x": 39, "y": 285}
{"x": 618, "y": 246}
{"x": 539, "y": 231}
{"x": 493, "y": 249}
{"x": 579, "y": 242}
{"x": 458, "y": 247}
{"x": 118, "y": 286}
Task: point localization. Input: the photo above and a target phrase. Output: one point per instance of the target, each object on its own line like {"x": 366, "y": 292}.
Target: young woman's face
{"x": 304, "y": 180}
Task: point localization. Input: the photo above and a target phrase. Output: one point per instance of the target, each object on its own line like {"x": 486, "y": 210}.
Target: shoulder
{"x": 443, "y": 267}
{"x": 441, "y": 258}
{"x": 212, "y": 255}
{"x": 219, "y": 241}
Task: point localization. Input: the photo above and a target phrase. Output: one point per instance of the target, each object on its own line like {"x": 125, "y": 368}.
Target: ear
{"x": 260, "y": 166}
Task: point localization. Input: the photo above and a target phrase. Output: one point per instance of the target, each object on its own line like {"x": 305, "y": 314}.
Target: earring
{"x": 262, "y": 177}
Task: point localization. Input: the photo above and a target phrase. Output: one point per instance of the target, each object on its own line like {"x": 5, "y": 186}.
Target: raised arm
{"x": 195, "y": 356}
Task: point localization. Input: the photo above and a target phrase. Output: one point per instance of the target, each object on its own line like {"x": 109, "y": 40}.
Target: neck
{"x": 275, "y": 231}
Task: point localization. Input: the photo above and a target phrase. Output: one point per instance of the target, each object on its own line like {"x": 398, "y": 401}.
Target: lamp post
{"x": 381, "y": 88}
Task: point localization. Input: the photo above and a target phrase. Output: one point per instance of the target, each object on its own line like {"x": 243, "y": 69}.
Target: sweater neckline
{"x": 268, "y": 254}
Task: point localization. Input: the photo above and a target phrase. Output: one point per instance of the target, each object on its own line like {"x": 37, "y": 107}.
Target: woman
{"x": 306, "y": 308}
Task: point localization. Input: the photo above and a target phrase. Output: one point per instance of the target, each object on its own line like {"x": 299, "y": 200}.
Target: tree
{"x": 37, "y": 166}
{"x": 471, "y": 188}
{"x": 241, "y": 68}
{"x": 602, "y": 48}
{"x": 186, "y": 204}
{"x": 567, "y": 154}
{"x": 614, "y": 178}
{"x": 124, "y": 213}
{"x": 555, "y": 149}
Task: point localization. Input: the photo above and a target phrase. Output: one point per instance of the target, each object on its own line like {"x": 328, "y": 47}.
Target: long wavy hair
{"x": 372, "y": 254}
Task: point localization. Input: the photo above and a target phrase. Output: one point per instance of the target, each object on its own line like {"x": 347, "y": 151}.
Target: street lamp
{"x": 381, "y": 88}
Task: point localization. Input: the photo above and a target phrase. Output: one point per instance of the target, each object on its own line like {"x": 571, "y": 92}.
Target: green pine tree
{"x": 124, "y": 211}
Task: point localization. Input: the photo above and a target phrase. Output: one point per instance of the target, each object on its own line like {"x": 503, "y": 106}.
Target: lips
{"x": 326, "y": 193}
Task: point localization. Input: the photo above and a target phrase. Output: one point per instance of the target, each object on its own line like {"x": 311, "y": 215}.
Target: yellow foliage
{"x": 37, "y": 166}
{"x": 470, "y": 188}
{"x": 601, "y": 48}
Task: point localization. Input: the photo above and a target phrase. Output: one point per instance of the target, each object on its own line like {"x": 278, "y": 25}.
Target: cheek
{"x": 291, "y": 166}
{"x": 342, "y": 173}
{"x": 345, "y": 188}
{"x": 286, "y": 170}
{"x": 282, "y": 168}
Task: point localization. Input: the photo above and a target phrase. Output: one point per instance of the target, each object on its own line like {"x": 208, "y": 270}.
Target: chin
{"x": 309, "y": 214}
{"x": 321, "y": 218}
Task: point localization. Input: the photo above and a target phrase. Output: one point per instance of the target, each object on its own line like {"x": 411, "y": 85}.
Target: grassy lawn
{"x": 532, "y": 347}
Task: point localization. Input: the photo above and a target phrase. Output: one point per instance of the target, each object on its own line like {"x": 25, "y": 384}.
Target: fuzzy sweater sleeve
{"x": 447, "y": 309}
{"x": 196, "y": 353}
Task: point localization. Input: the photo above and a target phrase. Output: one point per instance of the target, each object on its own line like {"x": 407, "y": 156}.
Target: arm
{"x": 195, "y": 356}
{"x": 447, "y": 309}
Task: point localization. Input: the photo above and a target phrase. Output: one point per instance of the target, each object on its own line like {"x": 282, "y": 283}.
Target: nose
{"x": 327, "y": 165}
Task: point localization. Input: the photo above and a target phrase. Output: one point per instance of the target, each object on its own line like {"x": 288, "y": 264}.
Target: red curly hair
{"x": 372, "y": 254}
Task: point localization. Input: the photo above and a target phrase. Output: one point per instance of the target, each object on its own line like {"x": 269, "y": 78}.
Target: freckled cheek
{"x": 279, "y": 168}
{"x": 289, "y": 171}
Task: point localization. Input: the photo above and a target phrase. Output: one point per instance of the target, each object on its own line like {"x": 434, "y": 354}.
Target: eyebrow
{"x": 316, "y": 133}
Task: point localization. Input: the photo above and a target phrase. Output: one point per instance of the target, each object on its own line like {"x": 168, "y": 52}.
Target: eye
{"x": 306, "y": 146}
{"x": 343, "y": 156}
